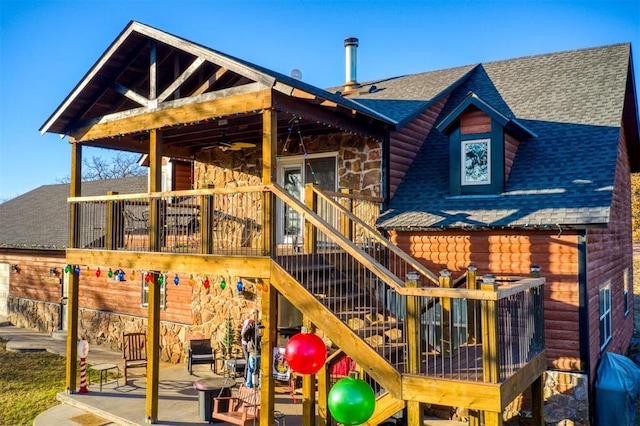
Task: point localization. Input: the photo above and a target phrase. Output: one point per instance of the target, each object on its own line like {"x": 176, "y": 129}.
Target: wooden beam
{"x": 254, "y": 267}
{"x": 135, "y": 97}
{"x": 452, "y": 393}
{"x": 365, "y": 125}
{"x": 153, "y": 350}
{"x": 156, "y": 227}
{"x": 73, "y": 279}
{"x": 269, "y": 341}
{"x": 181, "y": 79}
{"x": 210, "y": 81}
{"x": 523, "y": 378}
{"x": 144, "y": 120}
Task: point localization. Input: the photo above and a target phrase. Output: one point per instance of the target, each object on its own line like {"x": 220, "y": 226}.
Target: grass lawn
{"x": 29, "y": 383}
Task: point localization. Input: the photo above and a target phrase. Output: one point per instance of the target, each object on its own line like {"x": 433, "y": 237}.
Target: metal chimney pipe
{"x": 351, "y": 62}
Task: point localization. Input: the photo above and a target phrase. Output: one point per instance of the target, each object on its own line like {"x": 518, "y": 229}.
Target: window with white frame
{"x": 476, "y": 165}
{"x": 162, "y": 282}
{"x": 604, "y": 296}
{"x": 627, "y": 278}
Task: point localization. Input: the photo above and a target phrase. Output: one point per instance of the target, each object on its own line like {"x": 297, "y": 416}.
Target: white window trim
{"x": 463, "y": 155}
{"x": 627, "y": 301}
{"x": 605, "y": 291}
{"x": 144, "y": 292}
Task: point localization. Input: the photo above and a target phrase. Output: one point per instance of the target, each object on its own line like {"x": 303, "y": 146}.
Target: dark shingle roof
{"x": 572, "y": 101}
{"x": 39, "y": 219}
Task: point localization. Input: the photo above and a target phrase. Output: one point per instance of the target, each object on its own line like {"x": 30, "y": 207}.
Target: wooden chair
{"x": 242, "y": 409}
{"x": 200, "y": 352}
{"x": 134, "y": 352}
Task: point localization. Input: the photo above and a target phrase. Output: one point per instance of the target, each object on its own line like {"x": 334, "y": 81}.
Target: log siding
{"x": 513, "y": 253}
{"x": 405, "y": 144}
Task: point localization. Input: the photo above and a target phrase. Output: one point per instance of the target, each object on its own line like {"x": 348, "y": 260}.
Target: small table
{"x": 104, "y": 372}
{"x": 209, "y": 389}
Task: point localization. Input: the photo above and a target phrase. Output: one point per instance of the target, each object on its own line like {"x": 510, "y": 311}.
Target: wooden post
{"x": 346, "y": 224}
{"x": 309, "y": 389}
{"x": 267, "y": 385}
{"x": 415, "y": 412}
{"x": 269, "y": 146}
{"x": 310, "y": 236}
{"x": 155, "y": 185}
{"x": 74, "y": 279}
{"x": 473, "y": 308}
{"x": 206, "y": 224}
{"x": 115, "y": 231}
{"x": 490, "y": 361}
{"x": 537, "y": 401}
{"x": 446, "y": 313}
{"x": 153, "y": 350}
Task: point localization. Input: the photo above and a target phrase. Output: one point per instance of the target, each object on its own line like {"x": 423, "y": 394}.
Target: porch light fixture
{"x": 15, "y": 269}
{"x": 445, "y": 273}
{"x": 472, "y": 268}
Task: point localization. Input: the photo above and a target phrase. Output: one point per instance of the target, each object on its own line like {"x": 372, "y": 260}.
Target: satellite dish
{"x": 296, "y": 74}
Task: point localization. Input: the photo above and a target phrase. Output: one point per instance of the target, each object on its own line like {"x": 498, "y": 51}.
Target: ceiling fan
{"x": 225, "y": 143}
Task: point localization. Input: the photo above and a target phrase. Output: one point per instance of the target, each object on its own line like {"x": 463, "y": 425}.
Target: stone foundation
{"x": 34, "y": 314}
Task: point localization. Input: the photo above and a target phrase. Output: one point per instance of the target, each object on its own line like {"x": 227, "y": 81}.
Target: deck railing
{"x": 215, "y": 221}
{"x": 442, "y": 332}
{"x": 479, "y": 333}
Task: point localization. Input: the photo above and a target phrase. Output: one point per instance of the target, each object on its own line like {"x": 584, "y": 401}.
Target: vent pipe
{"x": 351, "y": 62}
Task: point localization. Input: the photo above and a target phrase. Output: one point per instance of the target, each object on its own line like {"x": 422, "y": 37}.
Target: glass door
{"x": 293, "y": 174}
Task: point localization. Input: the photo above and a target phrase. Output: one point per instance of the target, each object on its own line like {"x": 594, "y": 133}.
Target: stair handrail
{"x": 347, "y": 245}
{"x": 378, "y": 236}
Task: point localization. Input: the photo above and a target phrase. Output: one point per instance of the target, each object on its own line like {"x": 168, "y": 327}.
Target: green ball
{"x": 351, "y": 401}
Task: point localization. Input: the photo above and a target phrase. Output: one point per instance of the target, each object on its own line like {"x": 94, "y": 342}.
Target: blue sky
{"x": 46, "y": 47}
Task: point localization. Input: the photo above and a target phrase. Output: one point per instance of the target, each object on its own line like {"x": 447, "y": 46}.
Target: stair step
{"x": 59, "y": 335}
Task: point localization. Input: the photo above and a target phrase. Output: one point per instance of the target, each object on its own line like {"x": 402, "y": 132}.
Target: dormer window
{"x": 476, "y": 158}
{"x": 482, "y": 146}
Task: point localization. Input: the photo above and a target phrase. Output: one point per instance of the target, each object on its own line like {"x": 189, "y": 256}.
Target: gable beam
{"x": 181, "y": 79}
{"x": 148, "y": 120}
{"x": 357, "y": 124}
{"x": 210, "y": 81}
{"x": 135, "y": 97}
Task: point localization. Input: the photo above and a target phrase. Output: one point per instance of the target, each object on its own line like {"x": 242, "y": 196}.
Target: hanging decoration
{"x": 206, "y": 283}
{"x": 77, "y": 270}
{"x": 305, "y": 353}
{"x": 223, "y": 284}
{"x": 192, "y": 280}
{"x": 351, "y": 401}
{"x": 110, "y": 273}
{"x": 120, "y": 275}
{"x": 132, "y": 275}
{"x": 160, "y": 279}
{"x": 239, "y": 285}
{"x": 148, "y": 277}
{"x": 176, "y": 280}
{"x": 67, "y": 269}
{"x": 98, "y": 272}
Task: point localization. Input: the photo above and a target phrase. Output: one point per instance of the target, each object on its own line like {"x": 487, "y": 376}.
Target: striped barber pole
{"x": 83, "y": 376}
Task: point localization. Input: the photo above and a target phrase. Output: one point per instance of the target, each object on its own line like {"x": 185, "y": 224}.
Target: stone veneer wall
{"x": 359, "y": 163}
{"x": 210, "y": 310}
{"x": 33, "y": 314}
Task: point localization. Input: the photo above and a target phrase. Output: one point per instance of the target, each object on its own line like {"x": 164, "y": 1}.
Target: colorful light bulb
{"x": 223, "y": 284}
{"x": 192, "y": 281}
{"x": 121, "y": 275}
{"x": 110, "y": 273}
{"x": 240, "y": 286}
{"x": 176, "y": 280}
{"x": 160, "y": 279}
{"x": 98, "y": 272}
{"x": 67, "y": 269}
{"x": 77, "y": 270}
{"x": 206, "y": 282}
{"x": 132, "y": 276}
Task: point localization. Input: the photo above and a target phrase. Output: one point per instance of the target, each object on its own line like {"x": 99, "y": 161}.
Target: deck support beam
{"x": 74, "y": 279}
{"x": 270, "y": 323}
